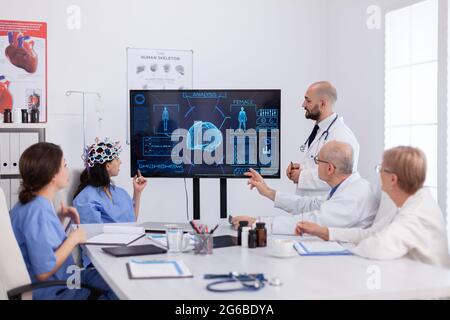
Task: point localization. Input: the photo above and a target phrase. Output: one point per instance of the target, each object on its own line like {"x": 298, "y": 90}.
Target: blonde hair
{"x": 410, "y": 166}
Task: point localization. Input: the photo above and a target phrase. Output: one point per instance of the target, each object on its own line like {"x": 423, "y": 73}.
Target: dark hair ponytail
{"x": 38, "y": 165}
{"x": 96, "y": 176}
{"x": 26, "y": 195}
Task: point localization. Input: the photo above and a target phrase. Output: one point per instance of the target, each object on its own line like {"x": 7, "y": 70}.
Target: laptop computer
{"x": 161, "y": 227}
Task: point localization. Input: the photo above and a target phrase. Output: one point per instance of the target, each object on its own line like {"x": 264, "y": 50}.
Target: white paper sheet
{"x": 158, "y": 269}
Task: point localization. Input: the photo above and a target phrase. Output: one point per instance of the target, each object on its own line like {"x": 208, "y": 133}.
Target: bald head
{"x": 340, "y": 154}
{"x": 324, "y": 90}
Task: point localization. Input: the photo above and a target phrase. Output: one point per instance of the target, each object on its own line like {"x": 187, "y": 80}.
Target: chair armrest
{"x": 16, "y": 293}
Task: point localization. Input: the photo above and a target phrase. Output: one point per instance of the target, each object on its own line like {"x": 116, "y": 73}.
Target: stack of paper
{"x": 320, "y": 248}
{"x": 117, "y": 235}
{"x": 145, "y": 269}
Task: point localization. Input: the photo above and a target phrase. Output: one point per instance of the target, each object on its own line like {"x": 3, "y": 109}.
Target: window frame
{"x": 443, "y": 132}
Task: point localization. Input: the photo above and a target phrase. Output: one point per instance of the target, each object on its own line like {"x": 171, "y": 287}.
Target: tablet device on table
{"x": 224, "y": 241}
{"x": 134, "y": 250}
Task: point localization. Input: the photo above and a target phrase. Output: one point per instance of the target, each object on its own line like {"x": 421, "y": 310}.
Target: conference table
{"x": 298, "y": 277}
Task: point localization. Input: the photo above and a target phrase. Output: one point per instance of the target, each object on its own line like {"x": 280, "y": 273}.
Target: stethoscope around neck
{"x": 324, "y": 135}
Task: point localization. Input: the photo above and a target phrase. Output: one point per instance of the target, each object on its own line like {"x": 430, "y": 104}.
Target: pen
{"x": 68, "y": 226}
{"x": 193, "y": 225}
{"x": 214, "y": 229}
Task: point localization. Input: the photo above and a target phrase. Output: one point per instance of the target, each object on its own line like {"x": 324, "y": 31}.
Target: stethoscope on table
{"x": 248, "y": 282}
{"x": 323, "y": 135}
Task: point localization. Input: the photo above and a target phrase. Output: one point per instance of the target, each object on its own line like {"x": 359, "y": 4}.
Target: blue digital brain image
{"x": 195, "y": 137}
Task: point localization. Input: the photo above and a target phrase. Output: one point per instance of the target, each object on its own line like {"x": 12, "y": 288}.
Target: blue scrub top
{"x": 94, "y": 205}
{"x": 39, "y": 233}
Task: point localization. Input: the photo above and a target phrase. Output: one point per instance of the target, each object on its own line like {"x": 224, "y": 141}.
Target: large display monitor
{"x": 205, "y": 133}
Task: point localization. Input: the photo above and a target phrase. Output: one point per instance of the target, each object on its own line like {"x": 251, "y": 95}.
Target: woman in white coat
{"x": 414, "y": 227}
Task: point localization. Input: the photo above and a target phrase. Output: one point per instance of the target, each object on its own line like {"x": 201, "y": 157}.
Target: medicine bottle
{"x": 261, "y": 234}
{"x": 24, "y": 115}
{"x": 244, "y": 237}
{"x": 7, "y": 116}
{"x": 241, "y": 225}
{"x": 34, "y": 116}
{"x": 252, "y": 239}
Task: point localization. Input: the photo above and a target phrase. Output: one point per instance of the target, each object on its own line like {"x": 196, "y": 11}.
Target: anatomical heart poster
{"x": 23, "y": 67}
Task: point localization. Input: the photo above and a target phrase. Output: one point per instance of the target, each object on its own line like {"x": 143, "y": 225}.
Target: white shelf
{"x": 23, "y": 125}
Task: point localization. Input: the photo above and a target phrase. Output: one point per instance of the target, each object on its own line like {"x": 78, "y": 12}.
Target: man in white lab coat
{"x": 350, "y": 202}
{"x": 408, "y": 223}
{"x": 320, "y": 99}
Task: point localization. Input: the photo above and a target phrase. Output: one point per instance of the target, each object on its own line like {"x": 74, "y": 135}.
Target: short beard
{"x": 314, "y": 114}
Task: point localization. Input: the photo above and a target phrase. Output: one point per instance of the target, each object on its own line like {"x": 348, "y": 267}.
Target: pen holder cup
{"x": 203, "y": 244}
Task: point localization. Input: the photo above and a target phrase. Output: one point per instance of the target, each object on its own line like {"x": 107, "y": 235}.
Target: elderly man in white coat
{"x": 408, "y": 223}
{"x": 319, "y": 102}
{"x": 350, "y": 203}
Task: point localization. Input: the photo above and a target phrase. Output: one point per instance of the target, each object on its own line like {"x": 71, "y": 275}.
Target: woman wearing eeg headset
{"x": 97, "y": 199}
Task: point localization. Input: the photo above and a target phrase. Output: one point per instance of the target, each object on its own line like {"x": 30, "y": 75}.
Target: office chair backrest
{"x": 3, "y": 295}
{"x": 13, "y": 271}
{"x": 66, "y": 195}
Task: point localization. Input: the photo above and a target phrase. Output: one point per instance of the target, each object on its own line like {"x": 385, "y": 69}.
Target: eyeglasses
{"x": 379, "y": 169}
{"x": 317, "y": 160}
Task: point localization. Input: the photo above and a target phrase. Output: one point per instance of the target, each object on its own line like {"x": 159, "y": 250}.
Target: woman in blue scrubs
{"x": 38, "y": 228}
{"x": 97, "y": 199}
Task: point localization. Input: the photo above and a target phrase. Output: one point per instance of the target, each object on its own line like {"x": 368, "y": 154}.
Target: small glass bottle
{"x": 252, "y": 239}
{"x": 261, "y": 234}
{"x": 34, "y": 116}
{"x": 7, "y": 116}
{"x": 241, "y": 225}
{"x": 24, "y": 116}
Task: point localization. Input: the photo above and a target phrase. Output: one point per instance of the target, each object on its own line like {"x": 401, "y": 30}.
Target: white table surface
{"x": 314, "y": 277}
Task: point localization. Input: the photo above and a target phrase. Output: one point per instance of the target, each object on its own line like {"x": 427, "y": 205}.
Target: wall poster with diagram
{"x": 23, "y": 67}
{"x": 159, "y": 69}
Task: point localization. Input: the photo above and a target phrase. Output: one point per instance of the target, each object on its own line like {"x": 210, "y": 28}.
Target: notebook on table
{"x": 117, "y": 236}
{"x": 157, "y": 269}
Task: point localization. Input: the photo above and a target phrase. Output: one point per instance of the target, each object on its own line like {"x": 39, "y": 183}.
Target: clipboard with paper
{"x": 157, "y": 269}
{"x": 321, "y": 248}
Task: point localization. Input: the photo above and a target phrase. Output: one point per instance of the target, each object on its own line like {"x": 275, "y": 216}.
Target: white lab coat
{"x": 309, "y": 182}
{"x": 385, "y": 214}
{"x": 353, "y": 204}
{"x": 417, "y": 231}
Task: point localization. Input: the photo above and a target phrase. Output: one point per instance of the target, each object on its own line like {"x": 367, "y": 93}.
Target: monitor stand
{"x": 223, "y": 198}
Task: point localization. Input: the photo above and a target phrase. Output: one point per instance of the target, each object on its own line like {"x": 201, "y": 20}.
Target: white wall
{"x": 356, "y": 66}
{"x": 237, "y": 44}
